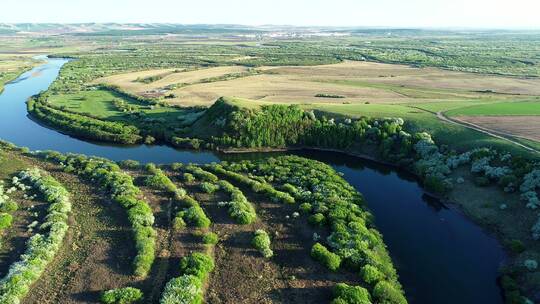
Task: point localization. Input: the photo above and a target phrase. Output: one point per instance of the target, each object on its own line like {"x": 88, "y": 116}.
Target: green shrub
{"x": 386, "y": 292}
{"x": 306, "y": 208}
{"x": 517, "y": 246}
{"x": 197, "y": 264}
{"x": 178, "y": 223}
{"x": 5, "y": 220}
{"x": 188, "y": 177}
{"x": 125, "y": 295}
{"x": 210, "y": 238}
{"x": 208, "y": 187}
{"x": 370, "y": 274}
{"x": 40, "y": 248}
{"x": 158, "y": 180}
{"x": 9, "y": 206}
{"x": 195, "y": 216}
{"x": 261, "y": 241}
{"x": 317, "y": 219}
{"x": 345, "y": 294}
{"x": 129, "y": 164}
{"x": 325, "y": 257}
{"x": 176, "y": 166}
{"x": 186, "y": 289}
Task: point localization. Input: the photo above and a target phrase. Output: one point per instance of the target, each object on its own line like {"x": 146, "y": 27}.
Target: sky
{"x": 389, "y": 13}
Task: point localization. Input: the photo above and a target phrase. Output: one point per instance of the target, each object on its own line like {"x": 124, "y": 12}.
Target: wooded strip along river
{"x": 440, "y": 255}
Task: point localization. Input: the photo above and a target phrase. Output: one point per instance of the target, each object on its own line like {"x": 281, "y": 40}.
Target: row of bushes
{"x": 119, "y": 185}
{"x": 84, "y": 126}
{"x": 127, "y": 295}
{"x": 240, "y": 209}
{"x": 42, "y": 247}
{"x": 159, "y": 180}
{"x": 256, "y": 186}
{"x": 353, "y": 243}
{"x": 261, "y": 241}
{"x": 188, "y": 288}
{"x": 7, "y": 206}
{"x": 191, "y": 214}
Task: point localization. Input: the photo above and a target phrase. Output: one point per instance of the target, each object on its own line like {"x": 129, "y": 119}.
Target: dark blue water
{"x": 441, "y": 256}
{"x": 18, "y": 128}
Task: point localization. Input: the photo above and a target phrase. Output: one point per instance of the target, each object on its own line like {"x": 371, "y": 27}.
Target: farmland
{"x": 265, "y": 228}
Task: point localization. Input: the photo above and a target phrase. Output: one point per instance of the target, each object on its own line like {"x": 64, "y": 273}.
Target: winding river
{"x": 441, "y": 256}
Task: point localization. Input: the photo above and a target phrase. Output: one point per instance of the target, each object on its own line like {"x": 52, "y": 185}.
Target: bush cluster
{"x": 84, "y": 126}
{"x": 188, "y": 288}
{"x": 121, "y": 189}
{"x": 330, "y": 201}
{"x": 159, "y": 180}
{"x": 127, "y": 295}
{"x": 329, "y": 259}
{"x": 261, "y": 242}
{"x": 345, "y": 294}
{"x": 41, "y": 247}
{"x": 240, "y": 209}
{"x": 256, "y": 186}
{"x": 201, "y": 174}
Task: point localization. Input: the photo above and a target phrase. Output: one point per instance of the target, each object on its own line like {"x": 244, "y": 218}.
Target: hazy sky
{"x": 422, "y": 13}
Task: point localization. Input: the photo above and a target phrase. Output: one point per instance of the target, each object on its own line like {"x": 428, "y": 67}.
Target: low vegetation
{"x": 42, "y": 247}
{"x": 261, "y": 241}
{"x": 108, "y": 176}
{"x": 188, "y": 288}
{"x": 126, "y": 295}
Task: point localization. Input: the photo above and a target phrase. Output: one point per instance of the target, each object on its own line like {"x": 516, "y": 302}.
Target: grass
{"x": 100, "y": 103}
{"x": 503, "y": 108}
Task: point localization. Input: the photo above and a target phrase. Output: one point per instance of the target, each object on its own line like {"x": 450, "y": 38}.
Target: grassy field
{"x": 499, "y": 109}
{"x": 355, "y": 82}
{"x": 101, "y": 104}
{"x": 12, "y": 65}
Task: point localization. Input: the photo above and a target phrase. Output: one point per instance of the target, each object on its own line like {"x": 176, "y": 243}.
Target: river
{"x": 441, "y": 256}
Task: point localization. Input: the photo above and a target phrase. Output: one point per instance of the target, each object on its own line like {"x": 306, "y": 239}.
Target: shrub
{"x": 179, "y": 223}
{"x": 125, "y": 295}
{"x": 186, "y": 289}
{"x": 188, "y": 177}
{"x": 306, "y": 208}
{"x": 121, "y": 190}
{"x": 517, "y": 246}
{"x": 209, "y": 187}
{"x": 385, "y": 292}
{"x": 371, "y": 275}
{"x": 201, "y": 174}
{"x": 197, "y": 264}
{"x": 240, "y": 209}
{"x": 5, "y": 220}
{"x": 41, "y": 248}
{"x": 317, "y": 219}
{"x": 158, "y": 180}
{"x": 9, "y": 206}
{"x": 210, "y": 238}
{"x": 345, "y": 294}
{"x": 261, "y": 242}
{"x": 195, "y": 216}
{"x": 325, "y": 257}
{"x": 129, "y": 164}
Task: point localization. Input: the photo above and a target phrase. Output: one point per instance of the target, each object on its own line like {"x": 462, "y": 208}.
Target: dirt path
{"x": 496, "y": 134}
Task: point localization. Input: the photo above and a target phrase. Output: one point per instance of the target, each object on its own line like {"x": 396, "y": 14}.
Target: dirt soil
{"x": 527, "y": 127}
